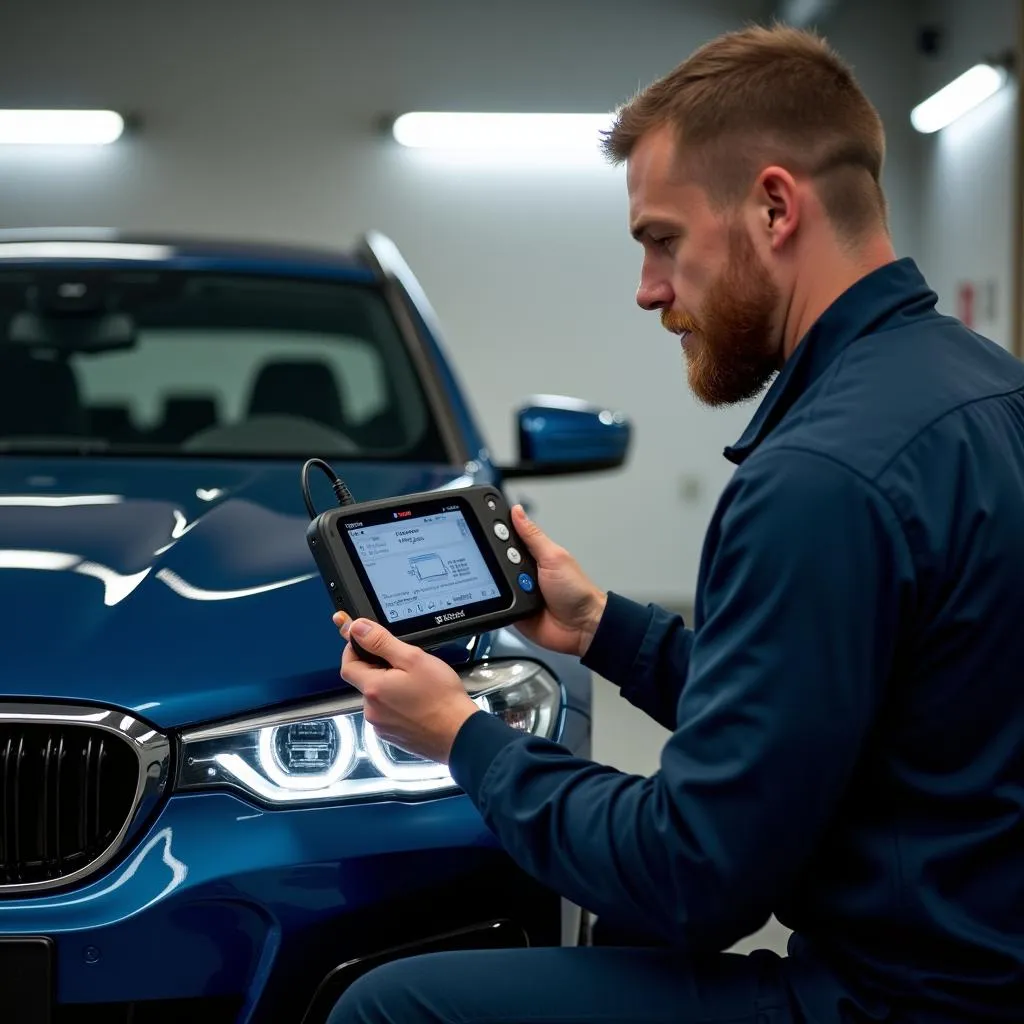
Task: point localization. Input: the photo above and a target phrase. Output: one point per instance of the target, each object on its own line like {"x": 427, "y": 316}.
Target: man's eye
{"x": 667, "y": 243}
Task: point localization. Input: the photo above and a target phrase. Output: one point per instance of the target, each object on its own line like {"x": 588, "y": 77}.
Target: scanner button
{"x": 501, "y": 531}
{"x": 514, "y": 556}
{"x": 491, "y": 503}
{"x": 526, "y": 582}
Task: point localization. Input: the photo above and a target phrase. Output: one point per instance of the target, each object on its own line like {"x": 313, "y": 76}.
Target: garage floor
{"x": 630, "y": 741}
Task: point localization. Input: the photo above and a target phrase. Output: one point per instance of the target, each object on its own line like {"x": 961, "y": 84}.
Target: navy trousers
{"x": 579, "y": 985}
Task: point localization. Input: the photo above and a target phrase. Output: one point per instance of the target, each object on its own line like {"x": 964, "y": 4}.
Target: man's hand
{"x": 419, "y": 704}
{"x": 574, "y": 606}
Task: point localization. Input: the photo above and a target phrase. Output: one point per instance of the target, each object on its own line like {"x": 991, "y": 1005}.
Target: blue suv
{"x": 195, "y": 822}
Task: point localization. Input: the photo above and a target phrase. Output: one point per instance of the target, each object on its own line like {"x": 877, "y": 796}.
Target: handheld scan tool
{"x": 431, "y": 567}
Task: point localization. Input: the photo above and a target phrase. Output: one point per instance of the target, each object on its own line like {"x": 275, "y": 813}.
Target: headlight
{"x": 326, "y": 751}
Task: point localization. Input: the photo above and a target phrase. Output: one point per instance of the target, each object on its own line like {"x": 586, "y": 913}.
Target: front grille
{"x": 66, "y": 792}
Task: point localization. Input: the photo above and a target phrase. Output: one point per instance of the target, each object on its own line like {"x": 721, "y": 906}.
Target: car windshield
{"x": 205, "y": 364}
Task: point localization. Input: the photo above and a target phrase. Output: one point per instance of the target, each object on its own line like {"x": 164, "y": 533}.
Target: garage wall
{"x": 968, "y": 220}
{"x": 259, "y": 122}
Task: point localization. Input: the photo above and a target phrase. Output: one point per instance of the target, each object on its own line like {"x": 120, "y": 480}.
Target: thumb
{"x": 375, "y": 639}
{"x": 541, "y": 546}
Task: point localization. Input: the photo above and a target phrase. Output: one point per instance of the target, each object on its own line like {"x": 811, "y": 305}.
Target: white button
{"x": 513, "y": 556}
{"x": 501, "y": 531}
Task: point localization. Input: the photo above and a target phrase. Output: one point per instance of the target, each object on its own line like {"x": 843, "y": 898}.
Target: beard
{"x": 730, "y": 353}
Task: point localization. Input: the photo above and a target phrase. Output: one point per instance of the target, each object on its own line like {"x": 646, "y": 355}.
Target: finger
{"x": 358, "y": 672}
{"x": 343, "y": 621}
{"x": 375, "y": 639}
{"x": 353, "y": 669}
{"x": 541, "y": 546}
{"x": 350, "y": 658}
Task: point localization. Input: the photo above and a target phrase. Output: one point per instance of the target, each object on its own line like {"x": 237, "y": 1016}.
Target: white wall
{"x": 258, "y": 122}
{"x": 968, "y": 219}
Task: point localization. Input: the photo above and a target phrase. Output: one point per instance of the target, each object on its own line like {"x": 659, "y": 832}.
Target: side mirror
{"x": 558, "y": 436}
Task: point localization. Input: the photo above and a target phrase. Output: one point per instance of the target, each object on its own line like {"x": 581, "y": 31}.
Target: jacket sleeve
{"x": 806, "y": 580}
{"x": 645, "y": 651}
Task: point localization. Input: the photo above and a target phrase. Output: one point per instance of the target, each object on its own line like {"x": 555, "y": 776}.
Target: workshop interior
{"x": 297, "y": 302}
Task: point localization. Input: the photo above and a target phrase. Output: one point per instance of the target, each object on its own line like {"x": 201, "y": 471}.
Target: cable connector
{"x": 341, "y": 492}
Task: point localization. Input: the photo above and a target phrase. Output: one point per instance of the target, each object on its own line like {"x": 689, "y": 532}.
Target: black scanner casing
{"x": 348, "y": 587}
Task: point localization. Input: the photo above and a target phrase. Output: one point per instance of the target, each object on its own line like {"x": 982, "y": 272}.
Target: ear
{"x": 777, "y": 205}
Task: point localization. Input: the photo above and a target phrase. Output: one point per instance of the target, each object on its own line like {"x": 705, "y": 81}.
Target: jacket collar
{"x": 888, "y": 296}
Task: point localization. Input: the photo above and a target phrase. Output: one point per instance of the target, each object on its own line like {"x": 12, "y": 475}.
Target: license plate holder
{"x": 26, "y": 979}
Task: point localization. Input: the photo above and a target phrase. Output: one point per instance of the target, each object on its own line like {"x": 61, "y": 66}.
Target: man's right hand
{"x": 574, "y": 606}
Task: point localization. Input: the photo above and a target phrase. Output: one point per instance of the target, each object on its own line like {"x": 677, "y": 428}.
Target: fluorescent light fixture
{"x": 965, "y": 93}
{"x": 60, "y": 127}
{"x": 83, "y": 251}
{"x": 553, "y": 133}
{"x": 804, "y": 13}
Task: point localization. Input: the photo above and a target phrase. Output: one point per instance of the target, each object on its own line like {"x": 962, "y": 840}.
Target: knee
{"x": 381, "y": 996}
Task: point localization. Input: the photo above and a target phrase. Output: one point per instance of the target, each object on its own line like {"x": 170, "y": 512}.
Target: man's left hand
{"x": 419, "y": 704}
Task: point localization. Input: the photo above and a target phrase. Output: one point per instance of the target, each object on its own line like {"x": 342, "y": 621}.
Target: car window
{"x": 207, "y": 364}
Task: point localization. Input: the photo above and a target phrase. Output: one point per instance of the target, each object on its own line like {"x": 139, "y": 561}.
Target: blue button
{"x": 526, "y": 581}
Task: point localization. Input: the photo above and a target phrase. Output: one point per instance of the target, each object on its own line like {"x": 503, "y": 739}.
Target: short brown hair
{"x": 767, "y": 95}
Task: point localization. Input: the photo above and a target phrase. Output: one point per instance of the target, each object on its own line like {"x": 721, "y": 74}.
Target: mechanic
{"x": 847, "y": 712}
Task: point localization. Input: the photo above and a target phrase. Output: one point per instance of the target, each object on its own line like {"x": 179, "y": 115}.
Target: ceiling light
{"x": 551, "y": 133}
{"x": 60, "y": 127}
{"x": 965, "y": 93}
{"x": 83, "y": 251}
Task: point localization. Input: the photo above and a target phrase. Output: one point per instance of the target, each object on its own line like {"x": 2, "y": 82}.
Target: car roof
{"x": 52, "y": 245}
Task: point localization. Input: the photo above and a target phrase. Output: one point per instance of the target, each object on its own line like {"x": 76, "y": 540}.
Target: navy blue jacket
{"x": 848, "y": 709}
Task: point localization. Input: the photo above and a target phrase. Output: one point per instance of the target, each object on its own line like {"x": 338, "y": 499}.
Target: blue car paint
{"x": 214, "y": 868}
{"x": 231, "y": 648}
{"x": 191, "y": 597}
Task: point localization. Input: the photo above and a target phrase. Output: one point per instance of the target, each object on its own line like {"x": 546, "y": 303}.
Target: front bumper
{"x": 245, "y": 914}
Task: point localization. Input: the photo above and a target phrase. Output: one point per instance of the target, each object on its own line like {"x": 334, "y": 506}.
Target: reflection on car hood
{"x": 184, "y": 590}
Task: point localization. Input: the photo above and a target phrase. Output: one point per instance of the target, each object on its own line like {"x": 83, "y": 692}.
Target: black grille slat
{"x": 65, "y": 794}
{"x": 58, "y": 866}
{"x": 50, "y": 818}
{"x": 44, "y": 818}
{"x": 5, "y": 810}
{"x": 83, "y": 797}
{"x": 30, "y": 785}
{"x": 71, "y": 841}
{"x": 16, "y": 813}
{"x": 97, "y": 793}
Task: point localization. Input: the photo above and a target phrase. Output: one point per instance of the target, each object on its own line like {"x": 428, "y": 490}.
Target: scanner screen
{"x": 423, "y": 565}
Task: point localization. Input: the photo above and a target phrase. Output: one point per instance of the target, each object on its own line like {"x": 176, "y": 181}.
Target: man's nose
{"x": 653, "y": 293}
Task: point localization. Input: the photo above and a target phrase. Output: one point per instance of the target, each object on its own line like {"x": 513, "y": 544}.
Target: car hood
{"x": 182, "y": 590}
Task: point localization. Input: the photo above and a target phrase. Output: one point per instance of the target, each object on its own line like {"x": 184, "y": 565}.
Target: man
{"x": 848, "y": 709}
